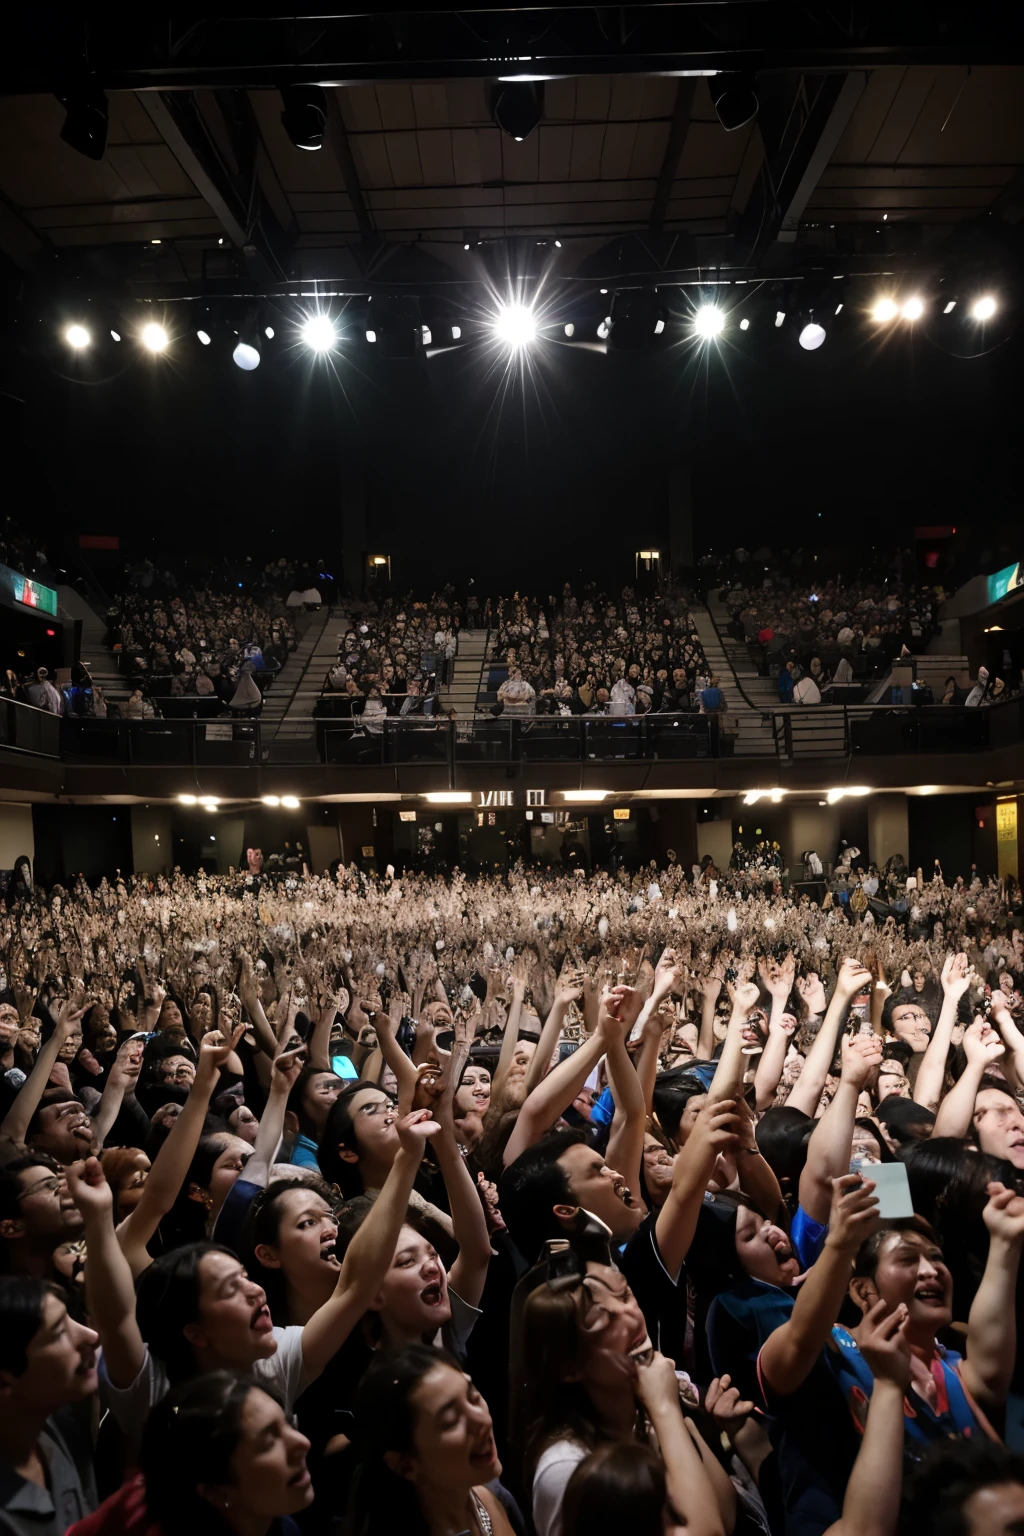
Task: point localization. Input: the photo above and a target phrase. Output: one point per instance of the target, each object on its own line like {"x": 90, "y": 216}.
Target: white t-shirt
{"x": 130, "y": 1406}
{"x": 554, "y": 1469}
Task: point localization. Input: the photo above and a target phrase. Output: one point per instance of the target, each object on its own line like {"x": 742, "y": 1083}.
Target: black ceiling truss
{"x": 126, "y": 51}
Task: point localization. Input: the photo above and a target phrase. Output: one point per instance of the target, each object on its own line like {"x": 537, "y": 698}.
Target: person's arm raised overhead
{"x": 249, "y": 992}
{"x": 620, "y": 1007}
{"x": 716, "y": 1130}
{"x": 123, "y": 1076}
{"x": 283, "y": 1076}
{"x": 871, "y": 1504}
{"x": 570, "y": 990}
{"x": 982, "y": 1048}
{"x": 371, "y": 1251}
{"x": 779, "y": 979}
{"x": 509, "y": 1040}
{"x": 626, "y": 1140}
{"x": 710, "y": 991}
{"x": 469, "y": 1221}
{"x": 957, "y": 976}
{"x": 16, "y": 1121}
{"x": 853, "y": 978}
{"x": 992, "y": 1323}
{"x": 727, "y": 1082}
{"x": 171, "y": 1163}
{"x": 692, "y": 1494}
{"x": 406, "y": 1074}
{"x": 831, "y": 1145}
{"x": 1010, "y": 1031}
{"x": 109, "y": 1288}
{"x": 788, "y": 1355}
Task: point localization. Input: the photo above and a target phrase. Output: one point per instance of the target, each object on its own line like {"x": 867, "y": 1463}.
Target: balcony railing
{"x": 797, "y": 733}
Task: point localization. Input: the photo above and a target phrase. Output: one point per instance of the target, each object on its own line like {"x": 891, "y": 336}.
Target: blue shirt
{"x": 304, "y": 1154}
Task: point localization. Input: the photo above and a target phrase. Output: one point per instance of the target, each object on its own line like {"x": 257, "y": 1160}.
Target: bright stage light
{"x": 780, "y": 318}
{"x": 744, "y": 324}
{"x": 268, "y": 331}
{"x": 319, "y": 334}
{"x": 290, "y": 802}
{"x": 204, "y": 337}
{"x": 884, "y": 310}
{"x": 659, "y": 326}
{"x": 604, "y": 330}
{"x": 115, "y": 336}
{"x": 272, "y": 800}
{"x": 913, "y": 309}
{"x": 187, "y": 800}
{"x": 983, "y": 308}
{"x": 515, "y": 325}
{"x": 371, "y": 336}
{"x": 246, "y": 356}
{"x": 709, "y": 321}
{"x": 154, "y": 337}
{"x": 77, "y": 336}
{"x": 456, "y": 332}
{"x": 812, "y": 336}
{"x": 950, "y": 307}
{"x": 570, "y": 330}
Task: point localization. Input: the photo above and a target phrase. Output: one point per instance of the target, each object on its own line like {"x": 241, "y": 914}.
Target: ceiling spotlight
{"x": 272, "y": 800}
{"x": 983, "y": 308}
{"x": 570, "y": 330}
{"x": 812, "y": 336}
{"x": 734, "y": 99}
{"x": 516, "y": 108}
{"x": 709, "y": 321}
{"x": 913, "y": 309}
{"x": 77, "y": 336}
{"x": 85, "y": 126}
{"x": 659, "y": 326}
{"x": 209, "y": 801}
{"x": 950, "y": 307}
{"x": 319, "y": 334}
{"x": 839, "y": 309}
{"x": 154, "y": 337}
{"x": 515, "y": 325}
{"x": 604, "y": 330}
{"x": 115, "y": 335}
{"x": 426, "y": 334}
{"x": 780, "y": 318}
{"x": 204, "y": 337}
{"x": 456, "y": 332}
{"x": 744, "y": 324}
{"x": 268, "y": 331}
{"x": 305, "y": 115}
{"x": 558, "y": 245}
{"x": 884, "y": 310}
{"x": 187, "y": 800}
{"x": 371, "y": 336}
{"x": 249, "y": 345}
{"x": 290, "y": 802}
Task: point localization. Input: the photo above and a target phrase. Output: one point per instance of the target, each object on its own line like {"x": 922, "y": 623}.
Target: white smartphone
{"x": 892, "y": 1187}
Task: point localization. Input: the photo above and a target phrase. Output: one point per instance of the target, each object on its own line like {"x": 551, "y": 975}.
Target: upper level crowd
{"x": 550, "y": 1203}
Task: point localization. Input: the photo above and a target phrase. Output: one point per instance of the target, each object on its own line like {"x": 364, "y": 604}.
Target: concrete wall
{"x": 715, "y": 837}
{"x": 888, "y": 832}
{"x": 323, "y": 846}
{"x": 152, "y": 840}
{"x": 16, "y": 835}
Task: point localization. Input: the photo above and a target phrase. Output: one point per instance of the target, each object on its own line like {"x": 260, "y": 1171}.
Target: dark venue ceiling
{"x": 888, "y": 136}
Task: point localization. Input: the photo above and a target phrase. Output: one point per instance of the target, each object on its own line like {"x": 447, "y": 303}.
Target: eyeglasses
{"x": 50, "y": 1186}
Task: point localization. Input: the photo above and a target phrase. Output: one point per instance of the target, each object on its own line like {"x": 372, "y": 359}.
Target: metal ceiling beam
{"x": 337, "y": 137}
{"x": 699, "y": 37}
{"x": 234, "y": 201}
{"x": 678, "y": 130}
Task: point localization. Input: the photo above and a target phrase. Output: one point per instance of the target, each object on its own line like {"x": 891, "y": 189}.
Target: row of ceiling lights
{"x": 212, "y": 802}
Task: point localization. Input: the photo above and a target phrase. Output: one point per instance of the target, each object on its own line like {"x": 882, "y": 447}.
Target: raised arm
{"x": 853, "y": 978}
{"x": 831, "y": 1145}
{"x": 569, "y": 991}
{"x": 626, "y": 1141}
{"x": 982, "y": 1047}
{"x": 249, "y": 993}
{"x": 788, "y": 1355}
{"x": 992, "y": 1324}
{"x": 716, "y": 1130}
{"x": 469, "y": 1222}
{"x": 283, "y": 1075}
{"x": 16, "y": 1121}
{"x": 710, "y": 991}
{"x": 370, "y": 1252}
{"x": 727, "y": 1082}
{"x": 956, "y": 978}
{"x": 122, "y": 1078}
{"x": 692, "y": 1494}
{"x": 511, "y": 1035}
{"x": 109, "y": 1289}
{"x": 406, "y": 1074}
{"x": 871, "y": 1505}
{"x": 779, "y": 980}
{"x": 1012, "y": 1036}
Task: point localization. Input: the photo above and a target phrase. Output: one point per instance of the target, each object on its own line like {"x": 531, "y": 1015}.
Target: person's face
{"x": 373, "y": 1116}
{"x": 474, "y": 1094}
{"x": 764, "y": 1249}
{"x": 453, "y": 1447}
{"x": 995, "y": 1510}
{"x": 920, "y": 980}
{"x": 999, "y": 1126}
{"x": 234, "y": 1322}
{"x": 892, "y": 1080}
{"x": 45, "y": 1209}
{"x": 133, "y": 1184}
{"x": 414, "y": 1294}
{"x": 613, "y": 1326}
{"x": 269, "y": 1477}
{"x": 598, "y": 1189}
{"x": 61, "y": 1363}
{"x": 228, "y": 1165}
{"x": 102, "y": 1032}
{"x": 10, "y": 1025}
{"x": 321, "y": 1092}
{"x": 658, "y": 1166}
{"x": 912, "y": 1270}
{"x": 912, "y": 1024}
{"x": 177, "y": 1071}
{"x": 71, "y": 1046}
{"x": 65, "y": 1132}
{"x": 865, "y": 1147}
{"x": 244, "y": 1124}
{"x": 170, "y": 1015}
{"x": 693, "y": 1107}
{"x": 306, "y": 1237}
{"x": 521, "y": 1059}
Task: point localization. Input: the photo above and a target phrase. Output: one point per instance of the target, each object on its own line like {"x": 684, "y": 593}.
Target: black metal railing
{"x": 23, "y": 728}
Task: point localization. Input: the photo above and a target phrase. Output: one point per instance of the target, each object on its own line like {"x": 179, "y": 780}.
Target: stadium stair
{"x": 749, "y": 697}
{"x": 97, "y": 656}
{"x": 288, "y": 708}
{"x": 462, "y": 693}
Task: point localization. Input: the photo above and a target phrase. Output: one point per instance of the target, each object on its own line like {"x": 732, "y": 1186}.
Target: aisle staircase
{"x": 746, "y": 723}
{"x": 97, "y": 656}
{"x": 461, "y": 694}
{"x": 288, "y": 707}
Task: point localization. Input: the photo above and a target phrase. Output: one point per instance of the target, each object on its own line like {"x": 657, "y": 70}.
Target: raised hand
{"x": 957, "y": 975}
{"x": 729, "y": 1411}
{"x": 882, "y": 1341}
{"x": 89, "y": 1189}
{"x": 861, "y": 1055}
{"x": 621, "y": 1005}
{"x": 745, "y": 996}
{"x": 854, "y": 1214}
{"x": 853, "y": 977}
{"x": 1004, "y": 1214}
{"x": 982, "y": 1045}
{"x": 286, "y": 1068}
{"x": 718, "y": 1128}
{"x": 215, "y": 1049}
{"x": 415, "y": 1130}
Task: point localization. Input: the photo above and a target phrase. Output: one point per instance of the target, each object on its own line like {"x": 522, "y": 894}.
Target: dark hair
{"x": 672, "y": 1092}
{"x": 297, "y": 1095}
{"x": 263, "y": 1226}
{"x": 531, "y": 1186}
{"x": 22, "y": 1298}
{"x": 340, "y": 1131}
{"x": 186, "y": 1220}
{"x": 937, "y": 1488}
{"x": 167, "y": 1300}
{"x": 901, "y": 1116}
{"x": 782, "y": 1136}
{"x": 863, "y": 1123}
{"x": 385, "y": 1420}
{"x": 898, "y": 1050}
{"x": 189, "y": 1440}
{"x": 948, "y": 1181}
{"x": 618, "y": 1487}
{"x": 51, "y": 1097}
{"x": 869, "y": 1252}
